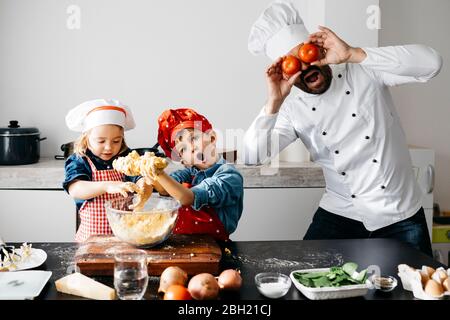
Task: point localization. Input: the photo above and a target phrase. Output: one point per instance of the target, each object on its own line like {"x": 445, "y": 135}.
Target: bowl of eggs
{"x": 426, "y": 283}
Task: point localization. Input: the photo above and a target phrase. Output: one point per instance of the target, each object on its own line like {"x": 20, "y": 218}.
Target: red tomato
{"x": 308, "y": 52}
{"x": 290, "y": 65}
{"x": 177, "y": 292}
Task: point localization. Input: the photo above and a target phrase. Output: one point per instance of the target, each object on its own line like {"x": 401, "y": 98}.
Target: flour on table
{"x": 306, "y": 261}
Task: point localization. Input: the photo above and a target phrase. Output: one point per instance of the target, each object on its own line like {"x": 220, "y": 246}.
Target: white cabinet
{"x": 277, "y": 213}
{"x": 37, "y": 216}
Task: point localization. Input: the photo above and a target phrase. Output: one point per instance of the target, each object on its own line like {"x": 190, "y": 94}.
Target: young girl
{"x": 210, "y": 190}
{"x": 89, "y": 176}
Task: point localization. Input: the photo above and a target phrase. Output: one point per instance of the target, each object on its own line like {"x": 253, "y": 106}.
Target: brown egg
{"x": 428, "y": 270}
{"x": 439, "y": 276}
{"x": 446, "y": 284}
{"x": 424, "y": 278}
{"x": 433, "y": 289}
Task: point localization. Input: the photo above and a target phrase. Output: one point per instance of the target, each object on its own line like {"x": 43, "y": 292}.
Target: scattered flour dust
{"x": 306, "y": 261}
{"x": 65, "y": 254}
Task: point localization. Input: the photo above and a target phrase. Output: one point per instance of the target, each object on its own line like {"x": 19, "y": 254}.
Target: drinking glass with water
{"x": 130, "y": 274}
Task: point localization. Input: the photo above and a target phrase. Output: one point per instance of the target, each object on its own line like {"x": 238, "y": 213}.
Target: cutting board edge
{"x": 155, "y": 269}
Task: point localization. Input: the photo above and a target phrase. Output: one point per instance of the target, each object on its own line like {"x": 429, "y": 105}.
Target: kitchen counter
{"x": 48, "y": 174}
{"x": 280, "y": 256}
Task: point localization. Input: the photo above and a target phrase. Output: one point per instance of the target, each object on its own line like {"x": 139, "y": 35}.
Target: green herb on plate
{"x": 336, "y": 277}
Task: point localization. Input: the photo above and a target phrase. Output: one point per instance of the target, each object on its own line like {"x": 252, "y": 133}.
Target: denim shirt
{"x": 220, "y": 187}
{"x": 78, "y": 168}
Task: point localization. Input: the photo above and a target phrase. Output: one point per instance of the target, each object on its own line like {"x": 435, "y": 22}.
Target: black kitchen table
{"x": 263, "y": 256}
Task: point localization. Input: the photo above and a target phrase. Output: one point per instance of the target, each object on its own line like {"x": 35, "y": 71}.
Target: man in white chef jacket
{"x": 345, "y": 116}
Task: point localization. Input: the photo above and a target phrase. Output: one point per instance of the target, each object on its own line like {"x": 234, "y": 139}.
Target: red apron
{"x": 92, "y": 213}
{"x": 204, "y": 221}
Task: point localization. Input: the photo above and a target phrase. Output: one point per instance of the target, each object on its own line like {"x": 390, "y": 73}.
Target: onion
{"x": 170, "y": 276}
{"x": 203, "y": 286}
{"x": 230, "y": 279}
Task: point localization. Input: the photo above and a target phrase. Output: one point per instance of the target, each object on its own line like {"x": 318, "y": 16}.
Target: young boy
{"x": 210, "y": 190}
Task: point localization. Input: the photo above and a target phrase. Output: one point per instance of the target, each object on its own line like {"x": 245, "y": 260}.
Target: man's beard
{"x": 327, "y": 74}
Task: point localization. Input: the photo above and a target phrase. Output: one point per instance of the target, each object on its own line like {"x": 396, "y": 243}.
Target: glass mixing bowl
{"x": 146, "y": 228}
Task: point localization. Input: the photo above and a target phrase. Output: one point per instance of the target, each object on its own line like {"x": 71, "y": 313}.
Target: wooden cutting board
{"x": 193, "y": 253}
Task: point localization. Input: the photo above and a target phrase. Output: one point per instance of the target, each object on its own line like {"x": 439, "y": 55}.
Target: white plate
{"x": 22, "y": 285}
{"x": 325, "y": 293}
{"x": 36, "y": 258}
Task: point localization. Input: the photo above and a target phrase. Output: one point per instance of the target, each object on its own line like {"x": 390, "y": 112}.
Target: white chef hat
{"x": 279, "y": 29}
{"x": 99, "y": 112}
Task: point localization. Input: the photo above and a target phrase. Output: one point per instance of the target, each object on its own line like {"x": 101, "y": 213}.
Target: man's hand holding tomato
{"x": 336, "y": 50}
{"x": 279, "y": 85}
{"x": 314, "y": 77}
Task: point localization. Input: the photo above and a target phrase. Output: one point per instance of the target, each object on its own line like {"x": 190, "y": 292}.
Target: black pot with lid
{"x": 19, "y": 145}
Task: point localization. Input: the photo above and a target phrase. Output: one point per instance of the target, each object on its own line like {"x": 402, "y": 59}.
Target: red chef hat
{"x": 172, "y": 121}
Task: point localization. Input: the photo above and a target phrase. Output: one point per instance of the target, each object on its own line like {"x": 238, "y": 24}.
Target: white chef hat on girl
{"x": 99, "y": 112}
{"x": 279, "y": 29}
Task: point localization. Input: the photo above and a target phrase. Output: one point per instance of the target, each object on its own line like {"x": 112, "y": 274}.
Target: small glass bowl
{"x": 273, "y": 285}
{"x": 383, "y": 283}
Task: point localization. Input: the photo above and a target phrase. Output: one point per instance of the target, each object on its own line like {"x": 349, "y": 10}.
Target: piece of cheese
{"x": 80, "y": 285}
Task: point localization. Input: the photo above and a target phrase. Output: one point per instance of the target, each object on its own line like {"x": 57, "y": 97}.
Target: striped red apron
{"x": 92, "y": 213}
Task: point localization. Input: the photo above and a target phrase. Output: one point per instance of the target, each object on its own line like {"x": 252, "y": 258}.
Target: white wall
{"x": 152, "y": 55}
{"x": 352, "y": 21}
{"x": 424, "y": 108}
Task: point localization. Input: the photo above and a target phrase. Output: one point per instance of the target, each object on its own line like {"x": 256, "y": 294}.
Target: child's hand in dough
{"x": 144, "y": 193}
{"x": 123, "y": 188}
